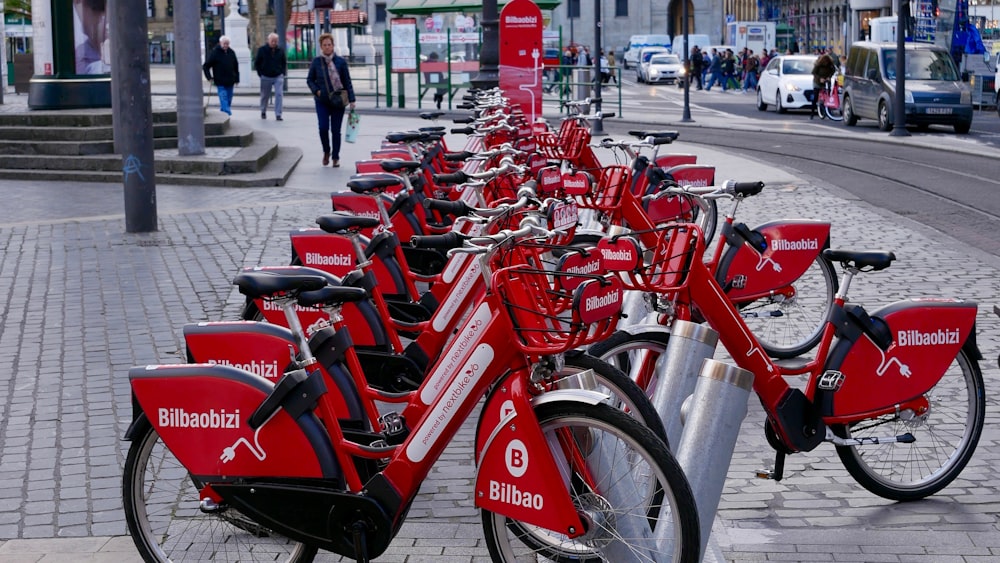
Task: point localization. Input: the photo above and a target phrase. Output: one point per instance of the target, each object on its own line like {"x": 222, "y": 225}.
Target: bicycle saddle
{"x": 373, "y": 182}
{"x": 263, "y": 283}
{"x": 332, "y": 295}
{"x": 431, "y": 114}
{"x": 397, "y": 165}
{"x": 340, "y": 221}
{"x": 433, "y": 129}
{"x": 405, "y": 137}
{"x": 874, "y": 259}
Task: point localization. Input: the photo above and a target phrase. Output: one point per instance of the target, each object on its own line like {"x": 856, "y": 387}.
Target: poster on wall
{"x": 92, "y": 45}
{"x": 404, "y": 44}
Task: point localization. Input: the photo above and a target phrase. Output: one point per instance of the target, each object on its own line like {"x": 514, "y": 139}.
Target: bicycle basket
{"x": 665, "y": 267}
{"x": 549, "y": 320}
{"x": 606, "y": 194}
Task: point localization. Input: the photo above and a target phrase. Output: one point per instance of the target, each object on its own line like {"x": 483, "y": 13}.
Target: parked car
{"x": 935, "y": 93}
{"x": 784, "y": 82}
{"x": 642, "y": 61}
{"x": 663, "y": 68}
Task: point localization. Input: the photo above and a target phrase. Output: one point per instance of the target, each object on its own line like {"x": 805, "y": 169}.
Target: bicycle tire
{"x": 633, "y": 354}
{"x": 946, "y": 438}
{"x": 833, "y": 114}
{"x": 788, "y": 328}
{"x": 164, "y": 520}
{"x": 511, "y": 540}
{"x": 624, "y": 394}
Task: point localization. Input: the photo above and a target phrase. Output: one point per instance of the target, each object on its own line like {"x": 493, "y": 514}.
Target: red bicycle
{"x": 225, "y": 462}
{"x": 899, "y": 393}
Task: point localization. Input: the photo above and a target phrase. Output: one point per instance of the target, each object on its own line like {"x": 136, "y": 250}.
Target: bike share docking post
{"x": 677, "y": 371}
{"x": 711, "y": 418}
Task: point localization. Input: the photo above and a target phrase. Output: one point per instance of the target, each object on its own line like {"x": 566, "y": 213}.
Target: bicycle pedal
{"x": 764, "y": 474}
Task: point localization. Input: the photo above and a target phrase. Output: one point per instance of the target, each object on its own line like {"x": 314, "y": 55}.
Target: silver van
{"x": 935, "y": 93}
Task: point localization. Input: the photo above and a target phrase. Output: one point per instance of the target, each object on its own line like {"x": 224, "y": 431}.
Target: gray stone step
{"x": 275, "y": 173}
{"x": 259, "y": 163}
{"x": 219, "y": 133}
{"x": 215, "y": 125}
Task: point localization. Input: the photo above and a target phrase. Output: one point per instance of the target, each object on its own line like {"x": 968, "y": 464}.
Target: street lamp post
{"x": 489, "y": 55}
{"x": 686, "y": 116}
{"x": 899, "y": 103}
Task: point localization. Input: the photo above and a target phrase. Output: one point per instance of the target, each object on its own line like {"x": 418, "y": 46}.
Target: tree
{"x": 20, "y": 7}
{"x": 255, "y": 8}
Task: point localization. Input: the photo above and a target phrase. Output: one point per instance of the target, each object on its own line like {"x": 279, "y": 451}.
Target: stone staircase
{"x": 77, "y": 145}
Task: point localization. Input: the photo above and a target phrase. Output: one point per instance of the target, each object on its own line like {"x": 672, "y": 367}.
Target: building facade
{"x": 816, "y": 24}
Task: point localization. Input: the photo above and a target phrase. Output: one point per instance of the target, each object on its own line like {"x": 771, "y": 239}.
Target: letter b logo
{"x": 517, "y": 458}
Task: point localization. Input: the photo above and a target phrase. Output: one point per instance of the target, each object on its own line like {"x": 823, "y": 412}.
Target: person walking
{"x": 330, "y": 82}
{"x": 823, "y": 70}
{"x": 729, "y": 70}
{"x": 222, "y": 69}
{"x": 271, "y": 66}
{"x": 716, "y": 70}
{"x": 611, "y": 66}
{"x": 696, "y": 64}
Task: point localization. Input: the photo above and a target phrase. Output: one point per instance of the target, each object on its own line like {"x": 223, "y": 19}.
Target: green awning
{"x": 421, "y": 7}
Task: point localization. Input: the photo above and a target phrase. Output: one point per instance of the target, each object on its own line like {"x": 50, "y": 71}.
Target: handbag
{"x": 339, "y": 99}
{"x": 353, "y": 127}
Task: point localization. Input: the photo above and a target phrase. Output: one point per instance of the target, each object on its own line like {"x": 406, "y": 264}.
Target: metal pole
{"x": 899, "y": 101}
{"x": 130, "y": 73}
{"x": 597, "y": 125}
{"x": 281, "y": 27}
{"x": 187, "y": 70}
{"x": 3, "y": 54}
{"x": 489, "y": 54}
{"x": 686, "y": 115}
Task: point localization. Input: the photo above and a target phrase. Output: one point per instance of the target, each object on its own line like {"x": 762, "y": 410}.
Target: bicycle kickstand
{"x": 359, "y": 529}
{"x": 779, "y": 468}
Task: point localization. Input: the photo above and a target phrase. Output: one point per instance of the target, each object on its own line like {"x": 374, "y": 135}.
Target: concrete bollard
{"x": 711, "y": 418}
{"x": 677, "y": 371}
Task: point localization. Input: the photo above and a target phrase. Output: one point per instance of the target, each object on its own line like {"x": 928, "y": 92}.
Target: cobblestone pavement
{"x": 84, "y": 302}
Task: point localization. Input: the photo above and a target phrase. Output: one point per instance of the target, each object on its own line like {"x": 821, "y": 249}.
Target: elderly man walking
{"x": 271, "y": 66}
{"x": 223, "y": 70}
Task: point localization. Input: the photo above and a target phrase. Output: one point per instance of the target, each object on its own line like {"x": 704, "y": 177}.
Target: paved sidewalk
{"x": 85, "y": 302}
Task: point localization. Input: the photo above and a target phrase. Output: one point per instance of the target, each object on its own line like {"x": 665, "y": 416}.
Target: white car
{"x": 663, "y": 68}
{"x": 643, "y": 61}
{"x": 784, "y": 83}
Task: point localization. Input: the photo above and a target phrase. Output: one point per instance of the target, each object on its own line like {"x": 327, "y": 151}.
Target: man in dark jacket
{"x": 271, "y": 65}
{"x": 223, "y": 70}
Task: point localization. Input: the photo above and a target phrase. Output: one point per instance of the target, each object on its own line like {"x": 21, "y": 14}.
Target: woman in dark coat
{"x": 328, "y": 78}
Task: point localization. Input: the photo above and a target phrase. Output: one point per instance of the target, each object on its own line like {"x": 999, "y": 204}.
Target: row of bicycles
{"x": 522, "y": 283}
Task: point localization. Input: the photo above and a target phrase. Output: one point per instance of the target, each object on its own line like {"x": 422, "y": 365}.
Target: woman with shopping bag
{"x": 330, "y": 82}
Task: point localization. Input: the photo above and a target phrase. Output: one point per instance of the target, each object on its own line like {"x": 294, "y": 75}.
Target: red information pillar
{"x": 521, "y": 55}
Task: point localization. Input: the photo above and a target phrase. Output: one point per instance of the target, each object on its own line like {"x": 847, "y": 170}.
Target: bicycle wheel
{"x": 624, "y": 394}
{"x": 946, "y": 437}
{"x": 633, "y": 354}
{"x": 790, "y": 325}
{"x": 834, "y": 114}
{"x": 166, "y": 524}
{"x": 642, "y": 470}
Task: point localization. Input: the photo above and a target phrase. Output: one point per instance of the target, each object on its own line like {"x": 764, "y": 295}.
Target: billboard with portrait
{"x": 92, "y": 52}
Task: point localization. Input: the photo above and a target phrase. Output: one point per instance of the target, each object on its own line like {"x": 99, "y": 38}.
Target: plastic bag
{"x": 353, "y": 126}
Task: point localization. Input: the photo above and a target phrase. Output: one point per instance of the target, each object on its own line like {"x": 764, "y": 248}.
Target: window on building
{"x": 621, "y": 8}
{"x": 170, "y": 8}
{"x": 150, "y": 9}
{"x": 380, "y": 12}
{"x": 573, "y": 8}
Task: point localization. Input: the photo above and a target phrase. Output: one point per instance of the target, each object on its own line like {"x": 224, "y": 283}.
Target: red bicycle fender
{"x": 517, "y": 475}
{"x": 201, "y": 412}
{"x": 792, "y": 246}
{"x": 927, "y": 335}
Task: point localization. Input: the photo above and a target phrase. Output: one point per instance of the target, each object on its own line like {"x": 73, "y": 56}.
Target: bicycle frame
{"x": 799, "y": 418}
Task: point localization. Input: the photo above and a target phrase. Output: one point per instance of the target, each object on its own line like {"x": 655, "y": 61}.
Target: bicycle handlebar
{"x": 457, "y": 208}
